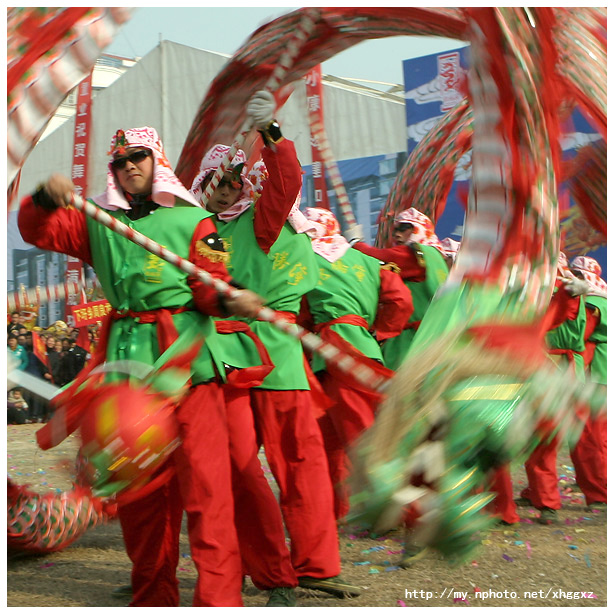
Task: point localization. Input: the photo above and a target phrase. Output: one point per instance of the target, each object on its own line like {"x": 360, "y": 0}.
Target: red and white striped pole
{"x": 312, "y": 342}
{"x": 302, "y": 33}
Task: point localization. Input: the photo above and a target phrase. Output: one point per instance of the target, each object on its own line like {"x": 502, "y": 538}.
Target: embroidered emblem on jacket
{"x": 212, "y": 248}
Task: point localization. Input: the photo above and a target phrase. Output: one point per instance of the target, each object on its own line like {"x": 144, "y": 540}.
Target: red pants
{"x": 294, "y": 449}
{"x": 341, "y": 425}
{"x": 201, "y": 484}
{"x": 542, "y": 475}
{"x": 589, "y": 458}
{"x": 262, "y": 540}
{"x": 503, "y": 505}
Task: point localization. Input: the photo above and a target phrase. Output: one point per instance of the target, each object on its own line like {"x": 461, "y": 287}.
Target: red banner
{"x": 74, "y": 267}
{"x": 39, "y": 348}
{"x": 313, "y": 87}
{"x": 89, "y": 313}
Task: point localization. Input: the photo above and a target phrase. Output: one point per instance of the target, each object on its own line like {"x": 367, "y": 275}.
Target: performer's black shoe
{"x": 548, "y": 516}
{"x": 281, "y": 597}
{"x": 122, "y": 591}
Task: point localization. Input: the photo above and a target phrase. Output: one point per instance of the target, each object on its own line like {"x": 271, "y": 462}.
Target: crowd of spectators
{"x": 58, "y": 363}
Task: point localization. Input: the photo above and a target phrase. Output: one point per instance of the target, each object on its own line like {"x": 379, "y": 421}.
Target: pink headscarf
{"x": 325, "y": 234}
{"x": 450, "y": 247}
{"x": 563, "y": 266}
{"x": 209, "y": 163}
{"x": 424, "y": 230}
{"x": 166, "y": 187}
{"x": 591, "y": 270}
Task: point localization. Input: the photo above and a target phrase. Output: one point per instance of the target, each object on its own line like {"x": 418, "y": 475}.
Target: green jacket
{"x": 283, "y": 275}
{"x": 134, "y": 279}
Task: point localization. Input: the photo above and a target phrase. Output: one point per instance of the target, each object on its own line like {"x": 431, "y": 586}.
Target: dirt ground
{"x": 523, "y": 565}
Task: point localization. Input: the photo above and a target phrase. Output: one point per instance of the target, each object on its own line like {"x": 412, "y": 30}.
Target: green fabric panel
{"x": 247, "y": 263}
{"x": 348, "y": 286}
{"x": 598, "y": 368}
{"x": 282, "y": 276}
{"x": 436, "y": 273}
{"x": 395, "y": 350}
{"x": 133, "y": 278}
{"x": 237, "y": 350}
{"x": 287, "y": 355}
{"x": 294, "y": 271}
{"x": 570, "y": 334}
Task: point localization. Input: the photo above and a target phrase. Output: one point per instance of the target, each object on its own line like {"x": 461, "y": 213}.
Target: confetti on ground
{"x": 509, "y": 559}
{"x": 373, "y": 570}
{"x": 587, "y": 560}
{"x": 573, "y": 547}
{"x": 363, "y": 563}
{"x": 456, "y": 599}
{"x": 401, "y": 603}
{"x": 518, "y": 543}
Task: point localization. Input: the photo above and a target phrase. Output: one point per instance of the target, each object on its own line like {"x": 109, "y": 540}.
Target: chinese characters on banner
{"x": 90, "y": 313}
{"x": 313, "y": 86}
{"x": 74, "y": 267}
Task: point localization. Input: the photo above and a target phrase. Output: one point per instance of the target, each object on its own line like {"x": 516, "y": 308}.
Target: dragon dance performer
{"x": 562, "y": 331}
{"x": 589, "y": 456}
{"x": 267, "y": 255}
{"x": 354, "y": 295}
{"x": 419, "y": 256}
{"x": 152, "y": 304}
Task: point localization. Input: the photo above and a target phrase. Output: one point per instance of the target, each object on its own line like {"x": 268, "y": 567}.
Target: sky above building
{"x": 226, "y": 29}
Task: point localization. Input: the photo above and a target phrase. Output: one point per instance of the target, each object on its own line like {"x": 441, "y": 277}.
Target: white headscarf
{"x": 325, "y": 234}
{"x": 209, "y": 163}
{"x": 450, "y": 247}
{"x": 424, "y": 230}
{"x": 166, "y": 186}
{"x": 591, "y": 270}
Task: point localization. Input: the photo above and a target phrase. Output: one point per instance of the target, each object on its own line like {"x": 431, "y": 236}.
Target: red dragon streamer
{"x": 46, "y": 523}
{"x": 219, "y": 118}
{"x": 49, "y": 51}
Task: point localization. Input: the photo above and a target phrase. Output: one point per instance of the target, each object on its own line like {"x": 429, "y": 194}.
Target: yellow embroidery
{"x": 323, "y": 276}
{"x": 227, "y": 241}
{"x": 441, "y": 276}
{"x": 297, "y": 272}
{"x": 280, "y": 261}
{"x": 392, "y": 266}
{"x": 339, "y": 266}
{"x": 211, "y": 254}
{"x": 153, "y": 269}
{"x": 359, "y": 271}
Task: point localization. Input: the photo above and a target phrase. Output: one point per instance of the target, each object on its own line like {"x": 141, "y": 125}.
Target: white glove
{"x": 354, "y": 234}
{"x": 576, "y": 286}
{"x": 261, "y": 108}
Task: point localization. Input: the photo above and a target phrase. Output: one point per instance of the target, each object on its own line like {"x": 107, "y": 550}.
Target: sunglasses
{"x": 138, "y": 156}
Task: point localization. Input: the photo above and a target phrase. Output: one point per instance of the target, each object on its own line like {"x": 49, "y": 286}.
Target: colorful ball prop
{"x": 127, "y": 432}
